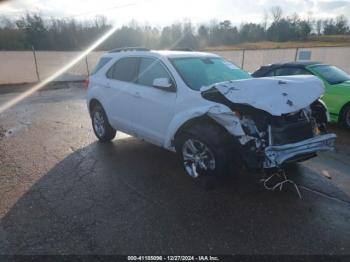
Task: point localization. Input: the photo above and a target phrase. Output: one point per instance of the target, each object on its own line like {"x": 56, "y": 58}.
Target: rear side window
{"x": 100, "y": 64}
{"x": 287, "y": 71}
{"x": 125, "y": 69}
{"x": 271, "y": 73}
{"x": 151, "y": 69}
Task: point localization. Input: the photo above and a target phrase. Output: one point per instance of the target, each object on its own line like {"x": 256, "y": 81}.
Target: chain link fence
{"x": 18, "y": 67}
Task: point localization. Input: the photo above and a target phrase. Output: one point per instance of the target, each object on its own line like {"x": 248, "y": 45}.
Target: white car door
{"x": 119, "y": 91}
{"x": 152, "y": 108}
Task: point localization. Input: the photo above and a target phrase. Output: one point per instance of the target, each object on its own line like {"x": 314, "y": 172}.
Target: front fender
{"x": 180, "y": 119}
{"x": 218, "y": 112}
{"x": 326, "y": 109}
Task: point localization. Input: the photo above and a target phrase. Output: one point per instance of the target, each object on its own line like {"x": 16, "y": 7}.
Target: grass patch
{"x": 322, "y": 41}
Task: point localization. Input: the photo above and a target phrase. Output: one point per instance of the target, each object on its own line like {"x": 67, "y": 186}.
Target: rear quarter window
{"x": 103, "y": 61}
{"x": 125, "y": 69}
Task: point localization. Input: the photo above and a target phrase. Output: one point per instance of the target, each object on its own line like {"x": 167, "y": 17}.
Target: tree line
{"x": 32, "y": 30}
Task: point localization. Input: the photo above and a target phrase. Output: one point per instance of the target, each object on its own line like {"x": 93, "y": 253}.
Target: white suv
{"x": 207, "y": 110}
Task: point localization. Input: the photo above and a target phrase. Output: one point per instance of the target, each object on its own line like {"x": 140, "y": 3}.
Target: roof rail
{"x": 124, "y": 49}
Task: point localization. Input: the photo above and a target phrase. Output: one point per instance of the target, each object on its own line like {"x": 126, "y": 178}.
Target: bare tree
{"x": 319, "y": 23}
{"x": 276, "y": 12}
{"x": 265, "y": 20}
{"x": 71, "y": 34}
{"x": 341, "y": 24}
{"x": 100, "y": 21}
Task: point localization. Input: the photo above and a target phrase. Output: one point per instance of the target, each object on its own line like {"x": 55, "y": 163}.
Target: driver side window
{"x": 151, "y": 69}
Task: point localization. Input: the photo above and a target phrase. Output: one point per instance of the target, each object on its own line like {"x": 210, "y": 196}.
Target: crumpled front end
{"x": 271, "y": 141}
{"x": 275, "y": 141}
{"x": 277, "y": 155}
{"x": 271, "y": 138}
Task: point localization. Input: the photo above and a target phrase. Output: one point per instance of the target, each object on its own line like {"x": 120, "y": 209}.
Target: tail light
{"x": 86, "y": 83}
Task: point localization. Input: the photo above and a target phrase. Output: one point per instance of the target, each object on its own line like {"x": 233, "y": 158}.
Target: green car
{"x": 336, "y": 81}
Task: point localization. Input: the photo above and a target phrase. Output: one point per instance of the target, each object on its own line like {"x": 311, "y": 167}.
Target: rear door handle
{"x": 107, "y": 85}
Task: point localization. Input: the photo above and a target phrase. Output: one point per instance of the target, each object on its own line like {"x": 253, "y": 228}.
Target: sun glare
{"x": 40, "y": 85}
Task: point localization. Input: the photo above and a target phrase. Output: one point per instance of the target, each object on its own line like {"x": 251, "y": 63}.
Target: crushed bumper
{"x": 277, "y": 155}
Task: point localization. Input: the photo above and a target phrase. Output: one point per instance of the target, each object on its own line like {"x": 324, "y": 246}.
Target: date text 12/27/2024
{"x": 173, "y": 258}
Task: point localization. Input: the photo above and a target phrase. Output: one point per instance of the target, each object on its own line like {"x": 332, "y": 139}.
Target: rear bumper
{"x": 275, "y": 156}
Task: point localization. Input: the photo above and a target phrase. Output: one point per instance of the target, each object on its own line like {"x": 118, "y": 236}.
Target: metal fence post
{"x": 87, "y": 66}
{"x": 243, "y": 51}
{"x": 296, "y": 54}
{"x": 36, "y": 64}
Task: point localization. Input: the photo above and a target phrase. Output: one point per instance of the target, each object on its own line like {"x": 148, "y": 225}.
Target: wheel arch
{"x": 341, "y": 112}
{"x": 92, "y": 103}
{"x": 187, "y": 120}
{"x": 324, "y": 107}
{"x": 203, "y": 119}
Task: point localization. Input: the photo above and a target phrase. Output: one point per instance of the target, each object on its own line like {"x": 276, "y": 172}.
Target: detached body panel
{"x": 277, "y": 155}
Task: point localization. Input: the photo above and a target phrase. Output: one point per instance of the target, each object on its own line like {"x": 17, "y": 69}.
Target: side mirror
{"x": 163, "y": 84}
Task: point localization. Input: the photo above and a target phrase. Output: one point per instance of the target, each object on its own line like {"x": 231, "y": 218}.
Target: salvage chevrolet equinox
{"x": 207, "y": 110}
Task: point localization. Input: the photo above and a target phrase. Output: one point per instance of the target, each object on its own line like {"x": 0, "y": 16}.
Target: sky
{"x": 165, "y": 12}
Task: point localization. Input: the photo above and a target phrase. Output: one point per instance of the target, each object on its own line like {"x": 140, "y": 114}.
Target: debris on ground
{"x": 326, "y": 174}
{"x": 270, "y": 184}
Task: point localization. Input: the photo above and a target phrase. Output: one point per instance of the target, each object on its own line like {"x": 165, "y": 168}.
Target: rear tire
{"x": 102, "y": 129}
{"x": 204, "y": 152}
{"x": 345, "y": 117}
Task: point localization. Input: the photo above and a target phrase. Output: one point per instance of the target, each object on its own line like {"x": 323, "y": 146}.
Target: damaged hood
{"x": 275, "y": 95}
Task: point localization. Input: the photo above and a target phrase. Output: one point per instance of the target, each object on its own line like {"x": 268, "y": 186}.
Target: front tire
{"x": 102, "y": 129}
{"x": 204, "y": 152}
{"x": 345, "y": 117}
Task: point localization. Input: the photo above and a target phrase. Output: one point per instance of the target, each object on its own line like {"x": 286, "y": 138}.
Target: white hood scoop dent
{"x": 275, "y": 95}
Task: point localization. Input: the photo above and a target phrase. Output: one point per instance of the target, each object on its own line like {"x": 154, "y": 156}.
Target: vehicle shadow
{"x": 130, "y": 197}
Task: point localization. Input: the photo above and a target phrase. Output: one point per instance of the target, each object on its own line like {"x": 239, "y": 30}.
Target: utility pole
{"x": 87, "y": 66}
{"x": 296, "y": 54}
{"x": 36, "y": 64}
{"x": 243, "y": 51}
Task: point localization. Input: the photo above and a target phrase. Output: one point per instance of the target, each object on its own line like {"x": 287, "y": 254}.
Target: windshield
{"x": 331, "y": 74}
{"x": 204, "y": 71}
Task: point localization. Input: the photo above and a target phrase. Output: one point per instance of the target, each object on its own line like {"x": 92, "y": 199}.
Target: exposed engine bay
{"x": 270, "y": 134}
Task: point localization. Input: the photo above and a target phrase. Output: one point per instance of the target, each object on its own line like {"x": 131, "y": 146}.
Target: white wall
{"x": 253, "y": 59}
{"x": 19, "y": 66}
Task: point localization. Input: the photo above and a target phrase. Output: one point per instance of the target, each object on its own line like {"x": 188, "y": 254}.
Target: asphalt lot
{"x": 62, "y": 192}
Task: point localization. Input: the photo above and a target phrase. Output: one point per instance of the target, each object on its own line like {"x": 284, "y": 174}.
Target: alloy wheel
{"x": 197, "y": 157}
{"x": 99, "y": 123}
